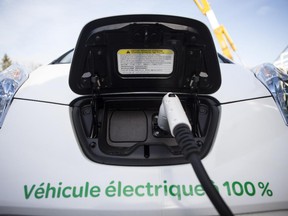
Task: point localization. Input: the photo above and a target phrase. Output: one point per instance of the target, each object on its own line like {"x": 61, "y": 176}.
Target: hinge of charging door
{"x": 96, "y": 86}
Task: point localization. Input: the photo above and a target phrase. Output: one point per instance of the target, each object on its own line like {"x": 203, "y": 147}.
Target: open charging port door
{"x": 123, "y": 66}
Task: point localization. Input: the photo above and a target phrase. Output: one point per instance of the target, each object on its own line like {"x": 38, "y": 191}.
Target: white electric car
{"x": 85, "y": 135}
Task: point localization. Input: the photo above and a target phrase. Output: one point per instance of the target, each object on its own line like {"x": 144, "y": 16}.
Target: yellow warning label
{"x": 145, "y": 51}
{"x": 145, "y": 61}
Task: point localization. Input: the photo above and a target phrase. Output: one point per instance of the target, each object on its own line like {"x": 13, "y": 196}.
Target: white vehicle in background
{"x": 80, "y": 136}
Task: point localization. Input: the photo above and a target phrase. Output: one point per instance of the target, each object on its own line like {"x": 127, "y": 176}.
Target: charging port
{"x": 128, "y": 132}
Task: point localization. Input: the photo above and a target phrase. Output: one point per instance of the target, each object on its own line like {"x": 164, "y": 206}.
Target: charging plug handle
{"x": 171, "y": 113}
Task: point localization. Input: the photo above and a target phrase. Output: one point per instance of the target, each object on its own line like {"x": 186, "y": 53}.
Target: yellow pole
{"x": 219, "y": 30}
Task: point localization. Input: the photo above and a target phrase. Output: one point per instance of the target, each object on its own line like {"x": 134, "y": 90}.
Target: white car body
{"x": 45, "y": 172}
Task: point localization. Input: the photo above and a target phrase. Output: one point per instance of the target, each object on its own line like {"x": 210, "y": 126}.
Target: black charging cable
{"x": 190, "y": 150}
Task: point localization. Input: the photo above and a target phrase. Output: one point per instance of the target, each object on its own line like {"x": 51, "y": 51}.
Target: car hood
{"x": 50, "y": 84}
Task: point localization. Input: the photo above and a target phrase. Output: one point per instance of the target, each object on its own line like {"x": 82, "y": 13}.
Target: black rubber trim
{"x": 40, "y": 101}
{"x": 249, "y": 99}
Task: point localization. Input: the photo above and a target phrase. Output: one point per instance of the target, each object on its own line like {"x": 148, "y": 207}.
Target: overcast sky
{"x": 38, "y": 31}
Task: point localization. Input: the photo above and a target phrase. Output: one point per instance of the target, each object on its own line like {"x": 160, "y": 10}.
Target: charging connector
{"x": 171, "y": 113}
{"x": 173, "y": 117}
